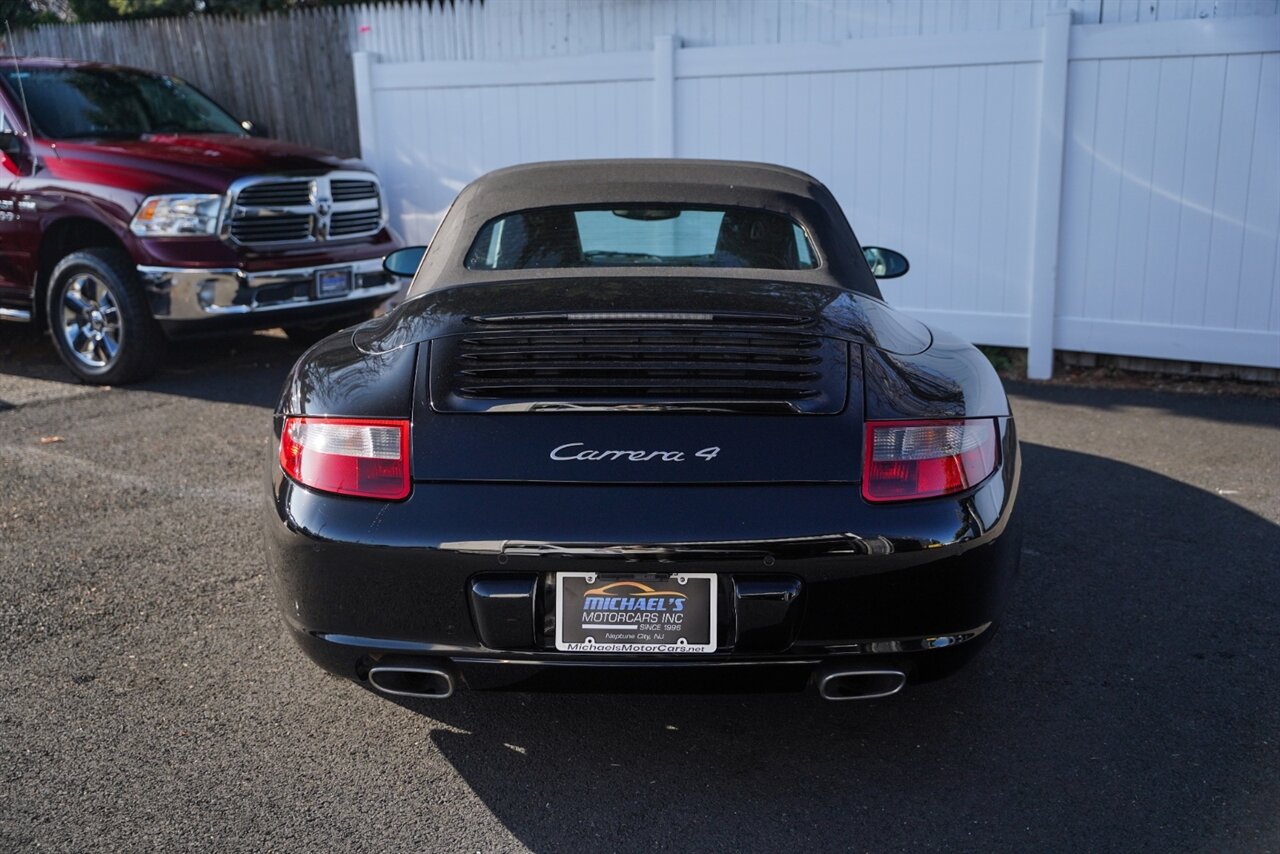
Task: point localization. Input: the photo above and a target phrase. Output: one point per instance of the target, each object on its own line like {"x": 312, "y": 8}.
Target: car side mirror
{"x": 886, "y": 263}
{"x": 255, "y": 128}
{"x": 404, "y": 262}
{"x": 11, "y": 144}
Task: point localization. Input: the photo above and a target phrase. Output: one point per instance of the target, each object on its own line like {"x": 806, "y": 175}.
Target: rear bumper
{"x": 192, "y": 298}
{"x": 482, "y": 670}
{"x": 810, "y": 577}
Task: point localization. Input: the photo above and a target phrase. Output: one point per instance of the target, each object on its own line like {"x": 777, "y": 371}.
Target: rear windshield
{"x": 113, "y": 103}
{"x": 641, "y": 236}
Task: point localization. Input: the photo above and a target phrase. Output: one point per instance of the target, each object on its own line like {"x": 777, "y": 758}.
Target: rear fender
{"x": 334, "y": 378}
{"x": 951, "y": 379}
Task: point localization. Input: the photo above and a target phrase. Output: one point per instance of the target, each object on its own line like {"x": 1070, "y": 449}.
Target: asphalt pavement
{"x": 1131, "y": 700}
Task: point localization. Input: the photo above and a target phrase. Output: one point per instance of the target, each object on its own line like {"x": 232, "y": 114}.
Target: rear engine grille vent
{"x": 631, "y": 317}
{"x": 668, "y": 367}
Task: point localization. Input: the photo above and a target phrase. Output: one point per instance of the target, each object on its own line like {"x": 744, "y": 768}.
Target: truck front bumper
{"x": 188, "y": 299}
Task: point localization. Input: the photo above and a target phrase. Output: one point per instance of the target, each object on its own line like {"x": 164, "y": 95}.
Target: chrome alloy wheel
{"x": 91, "y": 321}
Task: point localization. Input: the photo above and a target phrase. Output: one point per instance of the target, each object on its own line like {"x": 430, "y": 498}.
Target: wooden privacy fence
{"x": 290, "y": 72}
{"x": 1103, "y": 188}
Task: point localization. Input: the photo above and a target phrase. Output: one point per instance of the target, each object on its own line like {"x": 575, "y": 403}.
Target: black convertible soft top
{"x": 647, "y": 181}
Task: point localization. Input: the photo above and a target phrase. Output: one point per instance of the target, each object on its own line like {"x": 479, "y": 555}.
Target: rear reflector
{"x": 348, "y": 456}
{"x": 923, "y": 459}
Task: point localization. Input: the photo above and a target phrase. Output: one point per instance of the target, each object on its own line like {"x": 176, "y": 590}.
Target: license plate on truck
{"x": 333, "y": 283}
{"x": 638, "y": 613}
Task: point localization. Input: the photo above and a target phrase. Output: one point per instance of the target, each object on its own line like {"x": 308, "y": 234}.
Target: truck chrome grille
{"x": 347, "y": 190}
{"x": 689, "y": 368}
{"x": 272, "y": 229}
{"x": 304, "y": 209}
{"x": 346, "y": 223}
{"x": 275, "y": 193}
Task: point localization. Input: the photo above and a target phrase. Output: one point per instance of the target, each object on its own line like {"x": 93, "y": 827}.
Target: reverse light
{"x": 348, "y": 456}
{"x": 174, "y": 216}
{"x": 923, "y": 459}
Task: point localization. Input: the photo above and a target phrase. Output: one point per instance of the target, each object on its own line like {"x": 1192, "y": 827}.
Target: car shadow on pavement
{"x": 1262, "y": 409}
{"x": 245, "y": 369}
{"x": 1129, "y": 701}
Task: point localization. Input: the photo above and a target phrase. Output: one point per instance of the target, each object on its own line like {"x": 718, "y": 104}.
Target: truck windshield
{"x": 95, "y": 103}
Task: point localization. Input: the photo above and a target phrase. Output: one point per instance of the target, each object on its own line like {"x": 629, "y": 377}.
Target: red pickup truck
{"x": 133, "y": 210}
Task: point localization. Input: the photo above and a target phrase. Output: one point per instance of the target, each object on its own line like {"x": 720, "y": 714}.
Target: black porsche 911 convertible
{"x": 643, "y": 424}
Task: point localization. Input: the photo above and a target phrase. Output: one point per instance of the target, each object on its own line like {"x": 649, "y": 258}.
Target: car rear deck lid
{"x": 822, "y": 310}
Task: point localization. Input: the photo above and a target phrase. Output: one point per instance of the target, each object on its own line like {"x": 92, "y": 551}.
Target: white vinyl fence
{"x": 1109, "y": 188}
{"x": 525, "y": 29}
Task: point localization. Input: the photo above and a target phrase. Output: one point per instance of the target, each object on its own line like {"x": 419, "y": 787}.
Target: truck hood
{"x": 533, "y": 304}
{"x": 158, "y": 163}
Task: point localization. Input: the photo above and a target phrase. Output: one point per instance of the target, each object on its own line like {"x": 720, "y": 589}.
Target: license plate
{"x": 636, "y": 613}
{"x": 333, "y": 283}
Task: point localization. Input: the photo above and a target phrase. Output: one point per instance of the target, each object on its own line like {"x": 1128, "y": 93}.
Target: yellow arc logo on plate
{"x": 636, "y": 589}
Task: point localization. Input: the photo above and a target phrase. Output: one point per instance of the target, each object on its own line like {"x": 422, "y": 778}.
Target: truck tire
{"x": 99, "y": 318}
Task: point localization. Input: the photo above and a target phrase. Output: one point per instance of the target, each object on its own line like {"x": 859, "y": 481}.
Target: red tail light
{"x": 349, "y": 456}
{"x": 922, "y": 459}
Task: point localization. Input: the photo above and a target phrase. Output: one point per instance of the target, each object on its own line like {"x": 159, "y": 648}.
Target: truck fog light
{"x": 207, "y": 293}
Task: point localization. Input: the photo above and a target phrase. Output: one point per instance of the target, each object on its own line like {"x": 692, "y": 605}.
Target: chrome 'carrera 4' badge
{"x": 579, "y": 452}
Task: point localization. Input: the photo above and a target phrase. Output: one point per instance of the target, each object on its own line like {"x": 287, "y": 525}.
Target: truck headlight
{"x": 173, "y": 216}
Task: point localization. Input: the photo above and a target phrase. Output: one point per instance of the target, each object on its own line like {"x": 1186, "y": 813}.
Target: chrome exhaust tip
{"x": 861, "y": 684}
{"x": 410, "y": 681}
